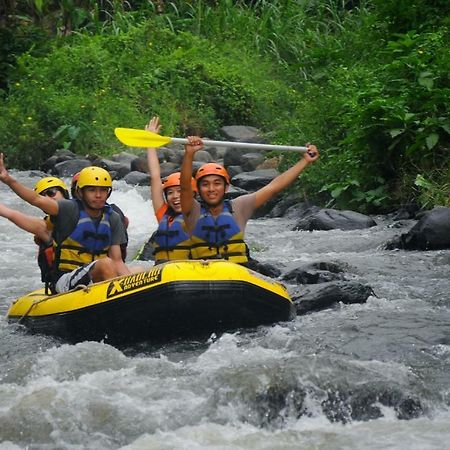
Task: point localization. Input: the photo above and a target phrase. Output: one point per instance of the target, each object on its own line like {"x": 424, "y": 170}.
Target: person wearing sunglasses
{"x": 41, "y": 229}
{"x": 52, "y": 187}
{"x": 87, "y": 233}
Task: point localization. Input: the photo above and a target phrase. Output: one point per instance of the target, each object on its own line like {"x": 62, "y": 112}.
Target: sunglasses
{"x": 50, "y": 192}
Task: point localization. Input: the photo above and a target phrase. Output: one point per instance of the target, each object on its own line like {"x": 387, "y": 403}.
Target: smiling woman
{"x": 170, "y": 241}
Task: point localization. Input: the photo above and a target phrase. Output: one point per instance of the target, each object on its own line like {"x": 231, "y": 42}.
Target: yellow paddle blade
{"x": 140, "y": 138}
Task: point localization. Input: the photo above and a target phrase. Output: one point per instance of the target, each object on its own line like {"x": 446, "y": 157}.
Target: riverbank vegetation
{"x": 367, "y": 81}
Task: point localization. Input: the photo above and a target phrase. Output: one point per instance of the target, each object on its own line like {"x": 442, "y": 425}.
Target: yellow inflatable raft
{"x": 171, "y": 300}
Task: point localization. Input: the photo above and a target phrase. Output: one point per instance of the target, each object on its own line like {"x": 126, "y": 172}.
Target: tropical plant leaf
{"x": 431, "y": 140}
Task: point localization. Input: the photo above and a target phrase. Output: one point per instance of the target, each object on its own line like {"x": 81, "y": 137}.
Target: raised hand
{"x": 154, "y": 126}
{"x": 4, "y": 175}
{"x": 195, "y": 144}
{"x": 312, "y": 154}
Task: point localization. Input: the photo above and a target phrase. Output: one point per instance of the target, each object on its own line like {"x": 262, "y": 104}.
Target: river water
{"x": 364, "y": 376}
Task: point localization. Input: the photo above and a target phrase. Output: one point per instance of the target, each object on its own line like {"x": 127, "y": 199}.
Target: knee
{"x": 104, "y": 265}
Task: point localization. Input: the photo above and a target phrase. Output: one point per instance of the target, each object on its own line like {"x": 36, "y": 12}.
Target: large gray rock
{"x": 216, "y": 152}
{"x": 317, "y": 297}
{"x": 139, "y": 164}
{"x": 431, "y": 232}
{"x": 70, "y": 167}
{"x": 266, "y": 269}
{"x": 250, "y": 161}
{"x": 203, "y": 156}
{"x": 252, "y": 181}
{"x": 288, "y": 201}
{"x": 241, "y": 133}
{"x": 300, "y": 210}
{"x": 330, "y": 219}
{"x": 137, "y": 178}
{"x": 316, "y": 272}
{"x": 124, "y": 158}
{"x": 234, "y": 170}
{"x": 60, "y": 155}
{"x": 167, "y": 168}
{"x": 122, "y": 169}
{"x": 234, "y": 192}
{"x": 265, "y": 209}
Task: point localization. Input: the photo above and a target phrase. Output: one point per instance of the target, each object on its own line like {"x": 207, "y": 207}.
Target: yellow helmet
{"x": 94, "y": 176}
{"x": 50, "y": 182}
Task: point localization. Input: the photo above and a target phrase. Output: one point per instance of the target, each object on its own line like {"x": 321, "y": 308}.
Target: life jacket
{"x": 218, "y": 237}
{"x": 170, "y": 240}
{"x": 89, "y": 240}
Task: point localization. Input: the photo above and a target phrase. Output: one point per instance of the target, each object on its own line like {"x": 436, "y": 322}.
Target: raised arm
{"x": 33, "y": 225}
{"x": 46, "y": 204}
{"x": 156, "y": 189}
{"x": 283, "y": 180}
{"x": 187, "y": 195}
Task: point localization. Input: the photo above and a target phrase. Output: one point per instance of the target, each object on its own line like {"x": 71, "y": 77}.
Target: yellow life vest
{"x": 88, "y": 242}
{"x": 171, "y": 241}
{"x": 218, "y": 237}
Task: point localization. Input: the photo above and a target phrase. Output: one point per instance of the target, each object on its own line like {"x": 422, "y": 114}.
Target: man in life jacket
{"x": 87, "y": 233}
{"x": 55, "y": 189}
{"x": 217, "y": 226}
{"x": 170, "y": 241}
{"x": 123, "y": 217}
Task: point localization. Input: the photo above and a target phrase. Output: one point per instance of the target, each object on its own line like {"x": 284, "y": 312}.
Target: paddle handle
{"x": 254, "y": 146}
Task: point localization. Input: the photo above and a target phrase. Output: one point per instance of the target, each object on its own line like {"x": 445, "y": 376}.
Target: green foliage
{"x": 389, "y": 117}
{"x": 79, "y": 93}
{"x": 366, "y": 81}
{"x": 404, "y": 15}
{"x": 433, "y": 193}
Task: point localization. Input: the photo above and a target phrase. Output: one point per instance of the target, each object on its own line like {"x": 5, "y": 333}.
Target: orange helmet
{"x": 174, "y": 179}
{"x": 212, "y": 169}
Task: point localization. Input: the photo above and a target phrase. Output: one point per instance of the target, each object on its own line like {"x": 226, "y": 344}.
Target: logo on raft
{"x": 135, "y": 281}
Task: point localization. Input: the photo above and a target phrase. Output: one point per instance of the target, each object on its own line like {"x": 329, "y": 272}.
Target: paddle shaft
{"x": 243, "y": 145}
{"x": 145, "y": 138}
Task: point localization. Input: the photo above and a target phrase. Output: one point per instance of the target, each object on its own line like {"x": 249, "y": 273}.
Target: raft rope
{"x": 36, "y": 302}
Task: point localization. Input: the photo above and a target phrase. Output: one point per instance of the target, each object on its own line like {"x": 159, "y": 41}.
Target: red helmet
{"x": 73, "y": 184}
{"x": 75, "y": 180}
{"x": 174, "y": 179}
{"x": 212, "y": 169}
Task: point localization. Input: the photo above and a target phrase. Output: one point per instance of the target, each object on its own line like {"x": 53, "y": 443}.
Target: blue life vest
{"x": 171, "y": 241}
{"x": 218, "y": 237}
{"x": 90, "y": 240}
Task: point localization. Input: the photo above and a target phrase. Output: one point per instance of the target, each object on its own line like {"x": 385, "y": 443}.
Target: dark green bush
{"x": 367, "y": 81}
